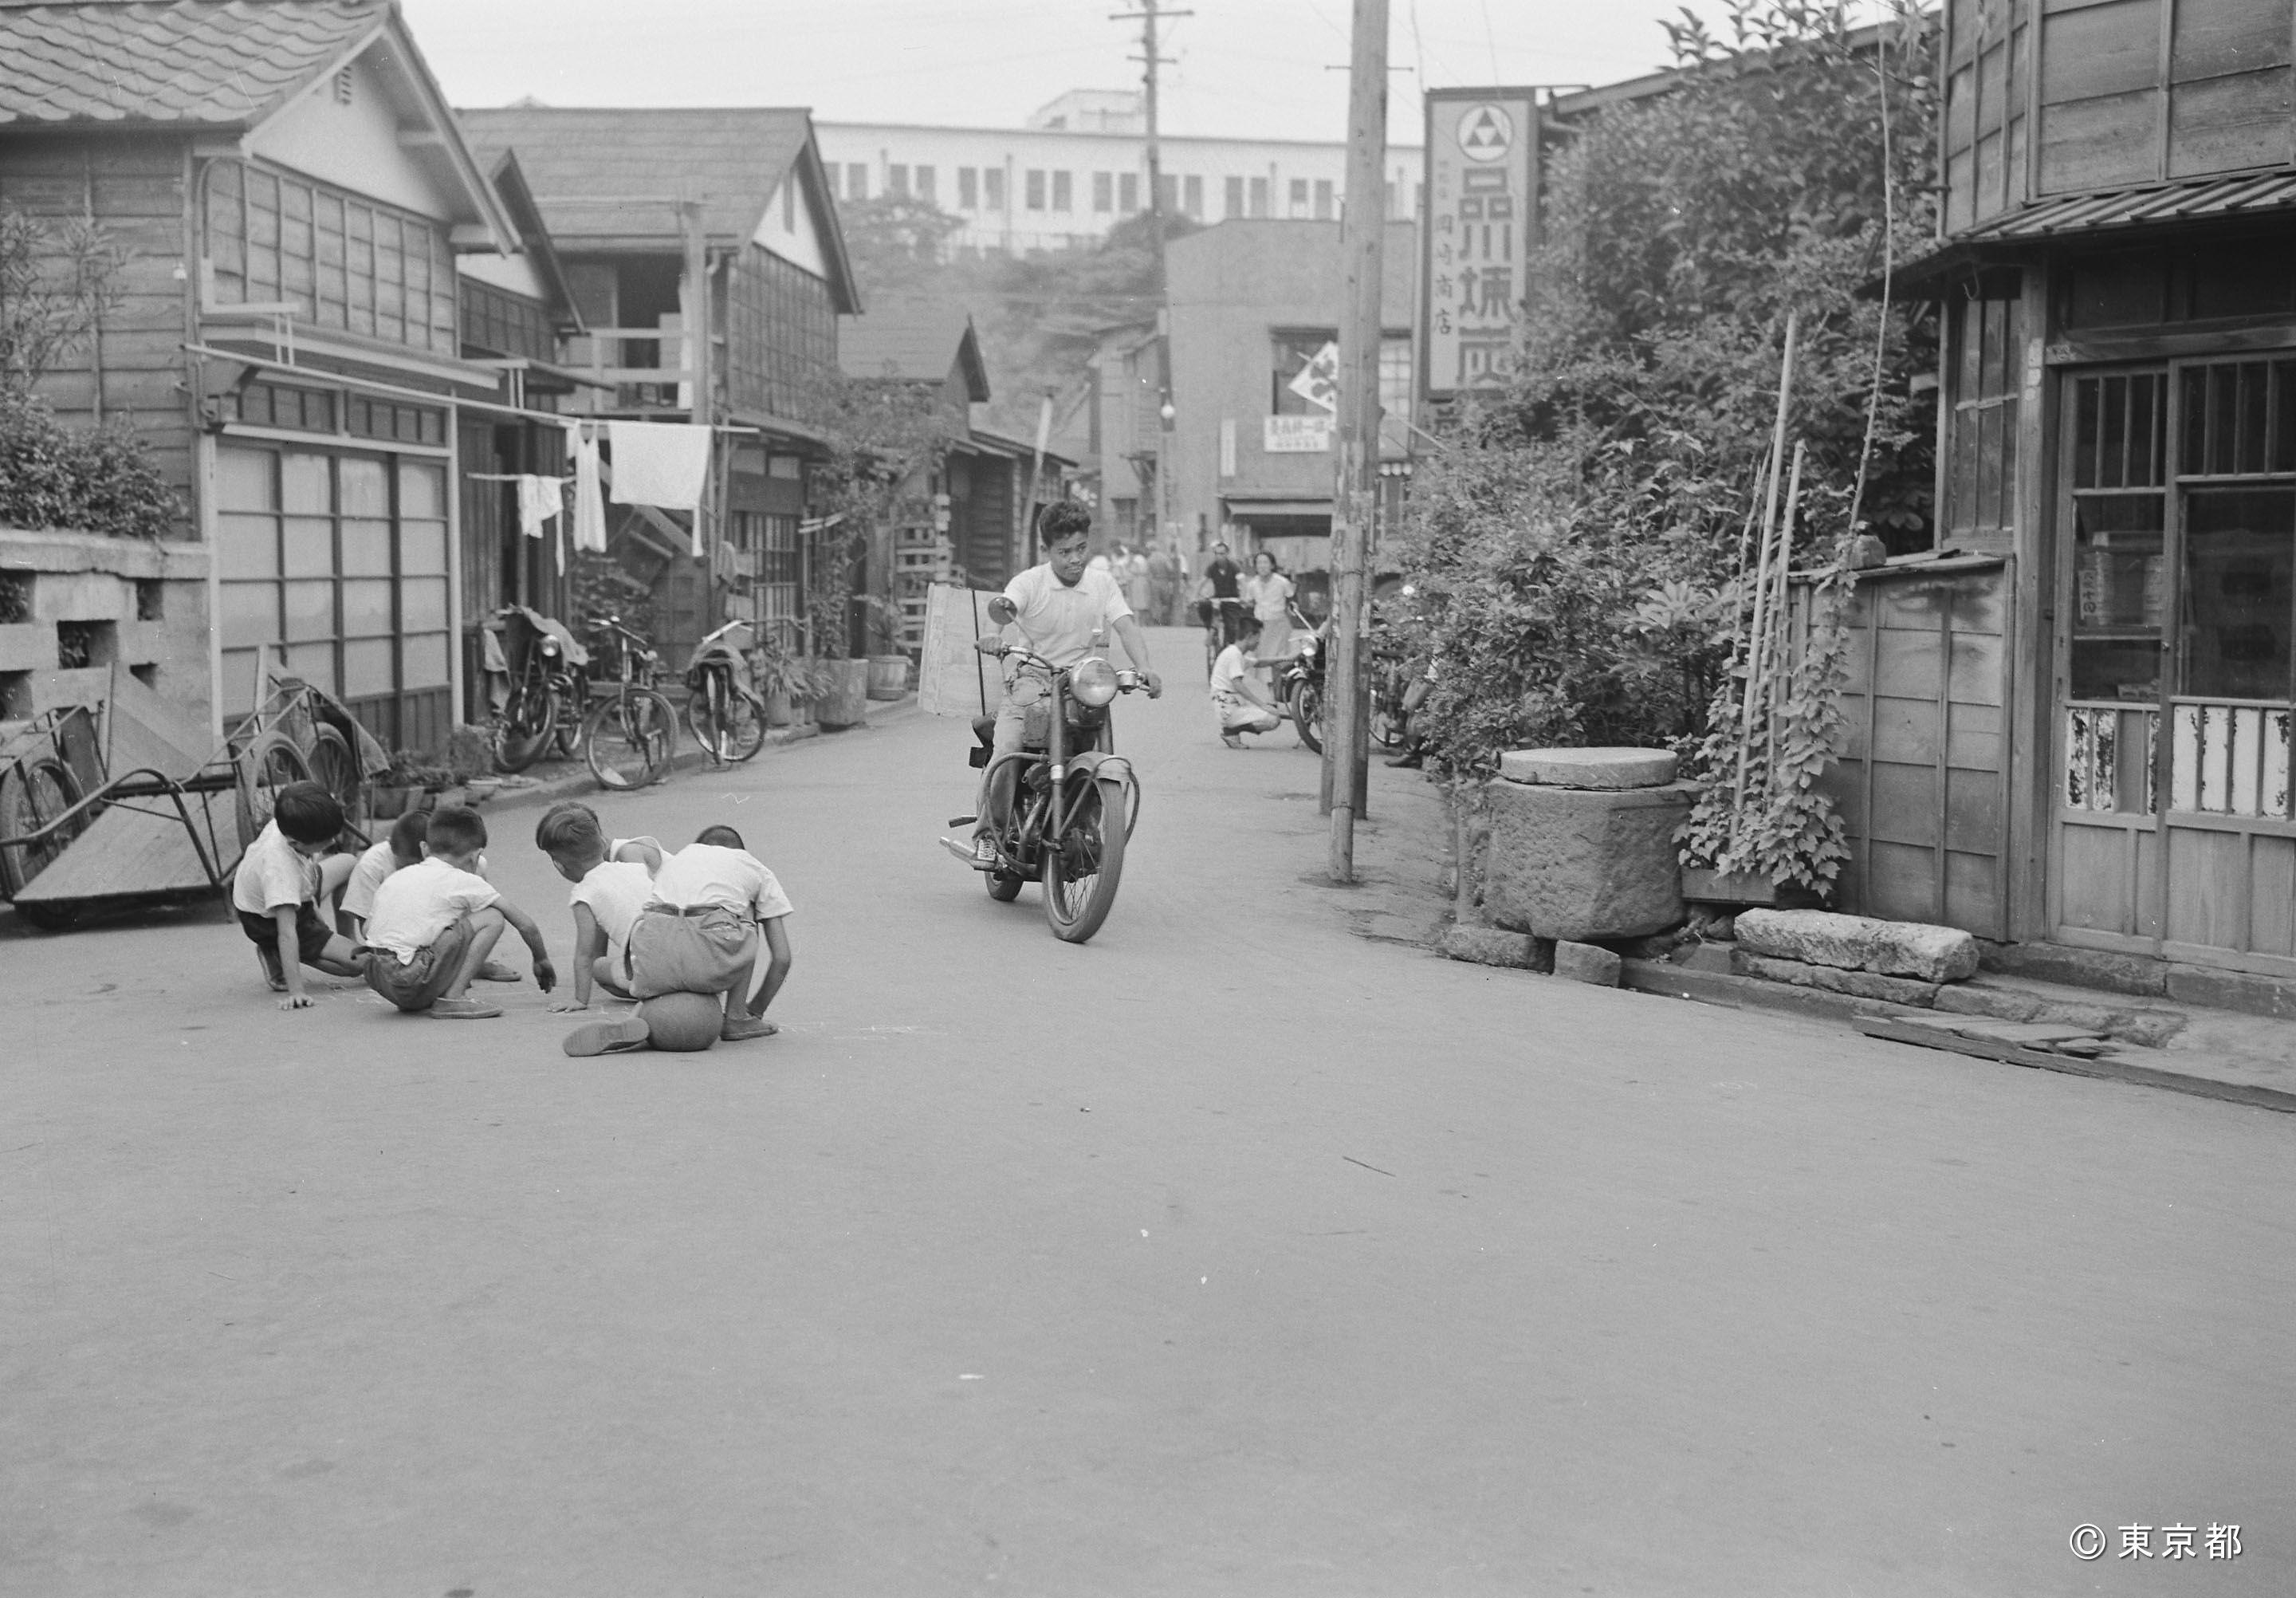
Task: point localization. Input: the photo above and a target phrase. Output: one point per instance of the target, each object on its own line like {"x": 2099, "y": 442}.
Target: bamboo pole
{"x": 1761, "y": 575}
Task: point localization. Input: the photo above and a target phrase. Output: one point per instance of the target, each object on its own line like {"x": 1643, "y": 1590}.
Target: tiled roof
{"x": 611, "y": 177}
{"x": 913, "y": 341}
{"x": 188, "y": 63}
{"x": 2245, "y": 195}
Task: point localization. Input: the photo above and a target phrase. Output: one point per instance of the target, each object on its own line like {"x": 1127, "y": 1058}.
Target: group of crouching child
{"x": 696, "y": 937}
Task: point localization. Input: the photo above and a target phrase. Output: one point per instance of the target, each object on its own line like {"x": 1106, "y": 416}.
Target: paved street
{"x": 1233, "y": 1253}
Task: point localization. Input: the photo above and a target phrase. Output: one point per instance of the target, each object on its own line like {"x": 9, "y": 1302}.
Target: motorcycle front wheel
{"x": 1307, "y": 707}
{"x": 1084, "y": 864}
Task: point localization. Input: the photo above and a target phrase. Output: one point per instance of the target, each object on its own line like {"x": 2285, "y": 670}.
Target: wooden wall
{"x": 2127, "y": 93}
{"x": 1922, "y": 780}
{"x": 133, "y": 187}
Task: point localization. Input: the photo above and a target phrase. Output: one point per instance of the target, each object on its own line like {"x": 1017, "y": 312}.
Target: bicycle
{"x": 1222, "y": 618}
{"x": 630, "y": 736}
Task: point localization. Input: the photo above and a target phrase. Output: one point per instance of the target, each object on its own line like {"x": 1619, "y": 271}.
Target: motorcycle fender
{"x": 1088, "y": 765}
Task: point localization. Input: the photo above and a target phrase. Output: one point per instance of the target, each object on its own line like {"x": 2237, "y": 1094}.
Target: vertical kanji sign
{"x": 1481, "y": 222}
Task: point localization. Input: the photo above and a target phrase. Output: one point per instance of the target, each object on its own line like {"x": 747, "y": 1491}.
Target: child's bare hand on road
{"x": 296, "y": 1002}
{"x": 545, "y": 976}
{"x": 562, "y": 1006}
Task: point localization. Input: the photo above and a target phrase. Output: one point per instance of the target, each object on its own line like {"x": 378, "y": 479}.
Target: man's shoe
{"x": 494, "y": 970}
{"x": 742, "y": 1028}
{"x": 465, "y": 1010}
{"x": 615, "y": 1035}
{"x": 980, "y": 855}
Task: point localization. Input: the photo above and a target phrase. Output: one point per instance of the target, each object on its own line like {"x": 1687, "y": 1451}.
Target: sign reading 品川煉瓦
{"x": 1309, "y": 435}
{"x": 1479, "y": 226}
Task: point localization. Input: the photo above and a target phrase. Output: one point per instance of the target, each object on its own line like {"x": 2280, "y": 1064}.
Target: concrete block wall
{"x": 139, "y": 605}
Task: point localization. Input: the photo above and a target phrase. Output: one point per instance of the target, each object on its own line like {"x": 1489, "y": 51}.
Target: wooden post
{"x": 696, "y": 309}
{"x": 1027, "y": 539}
{"x": 1355, "y": 487}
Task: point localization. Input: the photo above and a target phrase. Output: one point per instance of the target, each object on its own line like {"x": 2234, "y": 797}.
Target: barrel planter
{"x": 888, "y": 676}
{"x": 845, "y": 702}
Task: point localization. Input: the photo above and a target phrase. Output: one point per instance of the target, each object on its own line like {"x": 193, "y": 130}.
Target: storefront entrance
{"x": 2176, "y": 601}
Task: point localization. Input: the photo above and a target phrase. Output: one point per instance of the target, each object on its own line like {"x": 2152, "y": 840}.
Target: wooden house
{"x": 2079, "y": 729}
{"x": 703, "y": 253}
{"x": 963, "y": 513}
{"x": 292, "y": 195}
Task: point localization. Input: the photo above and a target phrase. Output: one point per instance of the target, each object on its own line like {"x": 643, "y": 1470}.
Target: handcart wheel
{"x": 334, "y": 768}
{"x": 32, "y": 795}
{"x": 273, "y": 763}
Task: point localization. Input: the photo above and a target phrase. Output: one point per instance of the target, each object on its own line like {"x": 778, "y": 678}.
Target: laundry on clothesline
{"x": 589, "y": 499}
{"x": 661, "y": 464}
{"x": 540, "y": 500}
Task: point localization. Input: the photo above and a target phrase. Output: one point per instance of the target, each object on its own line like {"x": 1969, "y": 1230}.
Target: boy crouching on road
{"x": 711, "y": 925}
{"x": 435, "y": 923}
{"x": 285, "y": 874}
{"x": 403, "y": 848}
{"x": 612, "y": 881}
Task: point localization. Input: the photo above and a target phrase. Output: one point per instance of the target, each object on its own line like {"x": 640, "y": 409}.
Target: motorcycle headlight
{"x": 550, "y": 645}
{"x": 1093, "y": 682}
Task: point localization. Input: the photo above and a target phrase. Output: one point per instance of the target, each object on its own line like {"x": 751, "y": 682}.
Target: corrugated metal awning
{"x": 2208, "y": 201}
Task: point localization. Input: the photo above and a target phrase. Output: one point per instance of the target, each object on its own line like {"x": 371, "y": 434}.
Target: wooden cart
{"x": 103, "y": 808}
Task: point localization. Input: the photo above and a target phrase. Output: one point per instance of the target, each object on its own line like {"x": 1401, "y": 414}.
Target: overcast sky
{"x": 1250, "y": 68}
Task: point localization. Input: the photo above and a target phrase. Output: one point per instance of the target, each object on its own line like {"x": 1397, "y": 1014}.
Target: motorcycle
{"x": 727, "y": 717}
{"x": 549, "y": 689}
{"x": 1063, "y": 806}
{"x": 1300, "y": 691}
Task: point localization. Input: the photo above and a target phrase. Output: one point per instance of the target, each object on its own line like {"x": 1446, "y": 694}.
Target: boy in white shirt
{"x": 612, "y": 882}
{"x": 1236, "y": 698}
{"x": 291, "y": 866}
{"x": 435, "y": 923}
{"x": 403, "y": 848}
{"x": 713, "y": 924}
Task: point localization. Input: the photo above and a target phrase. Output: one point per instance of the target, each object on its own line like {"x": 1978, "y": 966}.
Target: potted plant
{"x": 841, "y": 685}
{"x": 888, "y": 663}
{"x": 782, "y": 678}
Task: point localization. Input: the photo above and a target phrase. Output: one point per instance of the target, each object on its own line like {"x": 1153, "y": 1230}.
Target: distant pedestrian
{"x": 1135, "y": 584}
{"x": 1270, "y": 593}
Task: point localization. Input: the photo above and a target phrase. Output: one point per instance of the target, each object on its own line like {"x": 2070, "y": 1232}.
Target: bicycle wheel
{"x": 1307, "y": 708}
{"x": 526, "y": 725}
{"x": 566, "y": 726}
{"x": 31, "y": 795}
{"x": 631, "y": 738}
{"x": 1083, "y": 865}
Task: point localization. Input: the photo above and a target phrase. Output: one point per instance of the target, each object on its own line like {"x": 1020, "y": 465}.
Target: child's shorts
{"x": 311, "y": 934}
{"x": 416, "y": 985}
{"x": 706, "y": 950}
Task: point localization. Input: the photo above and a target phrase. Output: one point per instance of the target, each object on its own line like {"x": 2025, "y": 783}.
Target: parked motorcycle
{"x": 549, "y": 689}
{"x": 727, "y": 717}
{"x": 1300, "y": 691}
{"x": 1063, "y": 806}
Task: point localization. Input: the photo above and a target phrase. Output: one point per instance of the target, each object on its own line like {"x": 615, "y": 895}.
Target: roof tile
{"x": 210, "y": 62}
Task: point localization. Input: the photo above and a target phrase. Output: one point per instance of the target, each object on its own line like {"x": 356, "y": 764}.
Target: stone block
{"x": 1606, "y": 769}
{"x": 1587, "y": 962}
{"x": 1579, "y": 863}
{"x": 1860, "y": 943}
{"x": 1855, "y": 984}
{"x": 1497, "y": 946}
{"x": 1702, "y": 956}
{"x": 1998, "y": 1004}
{"x": 2234, "y": 989}
{"x": 2080, "y": 968}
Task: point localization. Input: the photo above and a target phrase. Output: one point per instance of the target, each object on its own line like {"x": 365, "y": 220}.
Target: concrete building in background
{"x": 1252, "y": 331}
{"x": 1080, "y": 167}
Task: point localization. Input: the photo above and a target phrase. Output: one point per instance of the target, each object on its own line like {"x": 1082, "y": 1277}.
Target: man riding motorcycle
{"x": 1064, "y": 612}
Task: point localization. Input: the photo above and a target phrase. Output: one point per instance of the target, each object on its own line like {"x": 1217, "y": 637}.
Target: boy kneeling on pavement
{"x": 435, "y": 923}
{"x": 284, "y": 876}
{"x": 713, "y": 925}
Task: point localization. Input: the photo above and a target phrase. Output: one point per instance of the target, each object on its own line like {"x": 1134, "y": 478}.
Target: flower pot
{"x": 388, "y": 804}
{"x": 479, "y": 789}
{"x": 846, "y": 703}
{"x": 438, "y": 799}
{"x": 888, "y": 676}
{"x": 779, "y": 711}
{"x": 1703, "y": 885}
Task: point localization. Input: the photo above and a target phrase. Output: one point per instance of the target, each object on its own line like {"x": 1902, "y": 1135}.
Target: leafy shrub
{"x": 101, "y": 481}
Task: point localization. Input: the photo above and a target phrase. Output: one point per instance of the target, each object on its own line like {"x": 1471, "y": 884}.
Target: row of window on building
{"x": 1113, "y": 194}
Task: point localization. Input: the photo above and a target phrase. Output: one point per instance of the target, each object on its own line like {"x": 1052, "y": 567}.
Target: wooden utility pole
{"x": 1355, "y": 487}
{"x": 695, "y": 317}
{"x": 1150, "y": 58}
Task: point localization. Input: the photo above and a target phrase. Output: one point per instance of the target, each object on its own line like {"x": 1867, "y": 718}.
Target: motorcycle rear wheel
{"x": 1307, "y": 707}
{"x": 528, "y": 721}
{"x": 1084, "y": 865}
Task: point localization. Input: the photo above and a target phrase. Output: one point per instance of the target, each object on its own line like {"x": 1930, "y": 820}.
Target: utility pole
{"x": 1150, "y": 58}
{"x": 1355, "y": 487}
